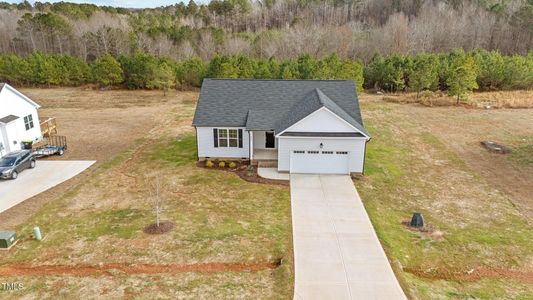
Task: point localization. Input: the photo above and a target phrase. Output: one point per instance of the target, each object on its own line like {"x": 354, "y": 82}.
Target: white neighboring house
{"x": 302, "y": 126}
{"x": 19, "y": 120}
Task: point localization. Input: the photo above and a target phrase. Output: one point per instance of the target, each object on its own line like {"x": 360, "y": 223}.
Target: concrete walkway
{"x": 272, "y": 173}
{"x": 30, "y": 182}
{"x": 336, "y": 251}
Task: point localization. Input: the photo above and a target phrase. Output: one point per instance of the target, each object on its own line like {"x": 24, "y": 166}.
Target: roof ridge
{"x": 266, "y": 79}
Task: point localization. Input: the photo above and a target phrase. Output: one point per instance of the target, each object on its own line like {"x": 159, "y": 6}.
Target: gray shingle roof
{"x": 273, "y": 104}
{"x": 259, "y": 120}
{"x": 8, "y": 118}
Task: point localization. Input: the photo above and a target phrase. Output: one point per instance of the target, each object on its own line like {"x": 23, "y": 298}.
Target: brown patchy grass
{"x": 491, "y": 100}
{"x": 430, "y": 160}
{"x": 420, "y": 158}
{"x": 237, "y": 229}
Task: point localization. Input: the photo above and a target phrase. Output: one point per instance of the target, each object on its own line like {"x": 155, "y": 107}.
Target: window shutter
{"x": 215, "y": 137}
{"x": 240, "y": 138}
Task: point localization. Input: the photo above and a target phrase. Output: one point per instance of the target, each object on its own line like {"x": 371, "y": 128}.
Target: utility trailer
{"x": 52, "y": 145}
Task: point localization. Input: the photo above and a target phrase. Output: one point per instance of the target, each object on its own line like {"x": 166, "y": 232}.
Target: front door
{"x": 269, "y": 140}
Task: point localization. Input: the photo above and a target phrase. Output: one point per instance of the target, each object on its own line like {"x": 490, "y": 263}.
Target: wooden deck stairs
{"x": 48, "y": 126}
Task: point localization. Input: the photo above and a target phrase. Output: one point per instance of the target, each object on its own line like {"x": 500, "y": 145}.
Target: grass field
{"x": 232, "y": 238}
{"x": 429, "y": 160}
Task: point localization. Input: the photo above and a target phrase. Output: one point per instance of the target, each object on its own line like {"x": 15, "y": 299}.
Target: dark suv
{"x": 15, "y": 162}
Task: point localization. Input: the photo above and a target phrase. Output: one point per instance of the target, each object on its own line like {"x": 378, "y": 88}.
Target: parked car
{"x": 15, "y": 162}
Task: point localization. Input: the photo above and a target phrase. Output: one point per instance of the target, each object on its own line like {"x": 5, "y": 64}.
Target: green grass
{"x": 218, "y": 217}
{"x": 522, "y": 151}
{"x": 178, "y": 153}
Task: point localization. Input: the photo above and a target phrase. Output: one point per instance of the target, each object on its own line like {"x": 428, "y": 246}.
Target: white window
{"x": 327, "y": 152}
{"x": 28, "y": 122}
{"x": 228, "y": 138}
{"x": 312, "y": 152}
{"x": 298, "y": 151}
{"x": 342, "y": 152}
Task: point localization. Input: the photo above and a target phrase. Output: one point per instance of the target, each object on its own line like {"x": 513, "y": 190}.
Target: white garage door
{"x": 319, "y": 162}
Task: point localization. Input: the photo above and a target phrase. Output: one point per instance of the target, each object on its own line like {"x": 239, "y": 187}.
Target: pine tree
{"x": 424, "y": 74}
{"x": 107, "y": 71}
{"x": 462, "y": 75}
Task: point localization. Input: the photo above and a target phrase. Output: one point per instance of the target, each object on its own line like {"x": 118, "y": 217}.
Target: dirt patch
{"x": 482, "y": 100}
{"x": 114, "y": 268}
{"x": 164, "y": 227}
{"x": 427, "y": 230}
{"x": 472, "y": 275}
{"x": 460, "y": 131}
{"x": 98, "y": 125}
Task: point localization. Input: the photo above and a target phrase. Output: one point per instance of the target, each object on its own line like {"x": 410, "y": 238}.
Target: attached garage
{"x": 319, "y": 162}
{"x": 321, "y": 153}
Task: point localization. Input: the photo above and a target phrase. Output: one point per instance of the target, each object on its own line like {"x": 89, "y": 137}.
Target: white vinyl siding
{"x": 28, "y": 122}
{"x": 206, "y": 145}
{"x": 12, "y": 103}
{"x": 322, "y": 120}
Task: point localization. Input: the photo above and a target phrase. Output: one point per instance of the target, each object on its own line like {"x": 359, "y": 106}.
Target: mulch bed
{"x": 242, "y": 171}
{"x": 164, "y": 227}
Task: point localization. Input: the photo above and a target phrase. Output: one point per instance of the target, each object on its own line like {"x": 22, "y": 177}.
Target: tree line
{"x": 457, "y": 72}
{"x": 284, "y": 29}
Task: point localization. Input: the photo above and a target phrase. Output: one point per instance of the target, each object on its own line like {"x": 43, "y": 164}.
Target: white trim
{"x": 12, "y": 89}
{"x": 251, "y": 143}
{"x": 316, "y": 111}
{"x": 325, "y": 137}
{"x": 346, "y": 122}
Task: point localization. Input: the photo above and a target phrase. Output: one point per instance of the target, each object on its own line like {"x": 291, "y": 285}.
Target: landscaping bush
{"x": 232, "y": 165}
{"x": 250, "y": 171}
{"x": 209, "y": 164}
{"x": 221, "y": 164}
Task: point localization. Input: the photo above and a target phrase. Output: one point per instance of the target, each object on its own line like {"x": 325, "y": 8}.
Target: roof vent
{"x": 417, "y": 220}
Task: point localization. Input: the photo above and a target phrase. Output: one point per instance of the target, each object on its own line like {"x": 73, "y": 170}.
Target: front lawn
{"x": 219, "y": 219}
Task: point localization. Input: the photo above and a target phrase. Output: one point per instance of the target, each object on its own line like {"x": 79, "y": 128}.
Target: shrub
{"x": 221, "y": 164}
{"x": 232, "y": 165}
{"x": 250, "y": 171}
{"x": 209, "y": 164}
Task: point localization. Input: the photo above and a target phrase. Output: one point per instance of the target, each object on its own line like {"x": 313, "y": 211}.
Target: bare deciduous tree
{"x": 156, "y": 189}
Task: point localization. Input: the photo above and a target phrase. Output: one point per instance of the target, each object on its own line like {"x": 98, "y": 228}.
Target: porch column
{"x": 251, "y": 144}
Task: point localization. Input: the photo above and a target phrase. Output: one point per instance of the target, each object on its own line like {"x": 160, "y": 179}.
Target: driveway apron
{"x": 31, "y": 182}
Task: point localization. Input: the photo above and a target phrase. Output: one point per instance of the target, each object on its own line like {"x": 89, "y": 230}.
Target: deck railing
{"x": 48, "y": 126}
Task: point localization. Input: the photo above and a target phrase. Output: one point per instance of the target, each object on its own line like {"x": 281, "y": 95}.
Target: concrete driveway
{"x": 31, "y": 182}
{"x": 336, "y": 251}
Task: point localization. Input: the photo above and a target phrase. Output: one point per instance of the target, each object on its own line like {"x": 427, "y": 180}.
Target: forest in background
{"x": 399, "y": 45}
{"x": 281, "y": 29}
{"x": 457, "y": 72}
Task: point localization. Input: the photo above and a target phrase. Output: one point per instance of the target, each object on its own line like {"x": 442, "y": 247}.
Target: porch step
{"x": 267, "y": 164}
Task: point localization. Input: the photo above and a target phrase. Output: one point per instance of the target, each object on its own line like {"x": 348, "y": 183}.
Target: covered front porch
{"x": 265, "y": 154}
{"x": 263, "y": 146}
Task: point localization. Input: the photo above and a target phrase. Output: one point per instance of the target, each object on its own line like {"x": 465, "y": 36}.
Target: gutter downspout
{"x": 364, "y": 157}
{"x": 197, "y": 148}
